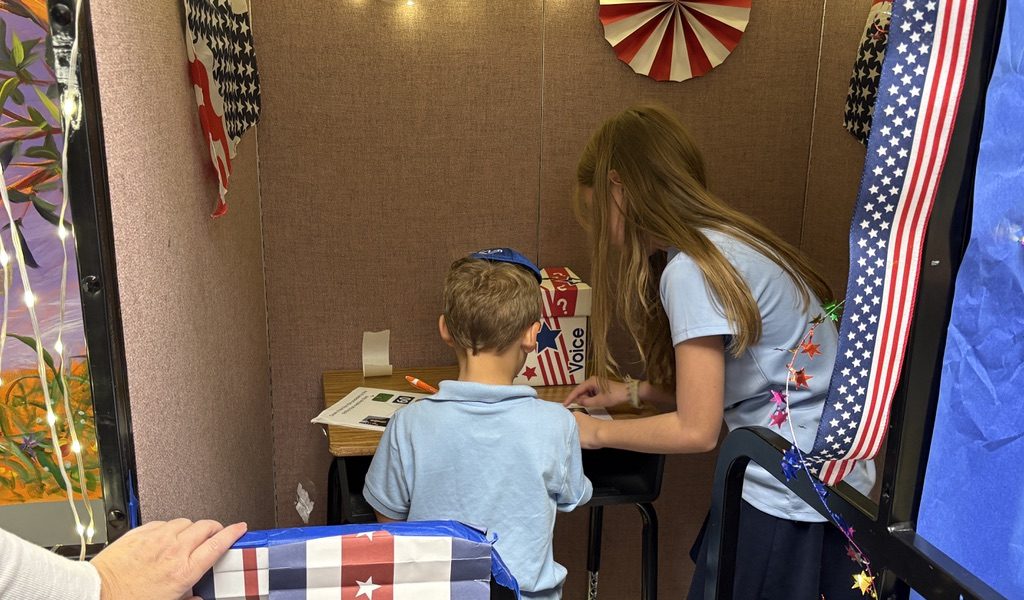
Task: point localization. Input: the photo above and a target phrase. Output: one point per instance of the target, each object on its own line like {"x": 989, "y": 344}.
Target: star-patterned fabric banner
{"x": 439, "y": 560}
{"x": 222, "y": 66}
{"x": 867, "y": 70}
{"x": 929, "y": 43}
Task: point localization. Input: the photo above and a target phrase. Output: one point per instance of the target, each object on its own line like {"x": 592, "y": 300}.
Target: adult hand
{"x": 589, "y": 393}
{"x": 162, "y": 560}
{"x": 588, "y": 427}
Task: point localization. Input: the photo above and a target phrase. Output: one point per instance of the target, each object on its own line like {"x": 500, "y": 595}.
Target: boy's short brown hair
{"x": 488, "y": 305}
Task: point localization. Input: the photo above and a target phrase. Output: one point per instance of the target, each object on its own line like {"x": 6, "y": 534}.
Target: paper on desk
{"x": 366, "y": 408}
{"x": 597, "y": 413}
{"x": 376, "y": 361}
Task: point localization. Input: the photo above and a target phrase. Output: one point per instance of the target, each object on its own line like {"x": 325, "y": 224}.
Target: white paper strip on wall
{"x": 376, "y": 353}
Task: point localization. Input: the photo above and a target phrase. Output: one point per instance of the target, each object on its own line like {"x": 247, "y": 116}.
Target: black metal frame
{"x": 886, "y": 531}
{"x": 896, "y": 548}
{"x": 101, "y": 313}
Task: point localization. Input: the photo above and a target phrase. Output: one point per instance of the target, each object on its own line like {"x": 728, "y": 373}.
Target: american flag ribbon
{"x": 929, "y": 44}
{"x": 398, "y": 561}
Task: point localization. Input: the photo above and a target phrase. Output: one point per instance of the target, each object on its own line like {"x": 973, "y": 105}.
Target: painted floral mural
{"x": 30, "y": 152}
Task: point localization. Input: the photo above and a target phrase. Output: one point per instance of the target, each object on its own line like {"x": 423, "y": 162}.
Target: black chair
{"x": 624, "y": 477}
{"x": 345, "y": 502}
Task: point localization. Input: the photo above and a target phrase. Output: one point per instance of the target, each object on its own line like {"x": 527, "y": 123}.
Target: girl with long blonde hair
{"x": 709, "y": 296}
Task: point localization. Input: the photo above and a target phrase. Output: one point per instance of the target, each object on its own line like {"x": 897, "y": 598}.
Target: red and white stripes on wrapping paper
{"x": 243, "y": 574}
{"x": 674, "y": 40}
{"x": 929, "y": 46}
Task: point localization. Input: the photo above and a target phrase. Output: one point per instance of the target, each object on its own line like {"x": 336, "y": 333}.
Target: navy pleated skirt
{"x": 779, "y": 559}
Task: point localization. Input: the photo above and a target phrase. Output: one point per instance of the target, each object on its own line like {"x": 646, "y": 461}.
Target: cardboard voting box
{"x": 561, "y": 354}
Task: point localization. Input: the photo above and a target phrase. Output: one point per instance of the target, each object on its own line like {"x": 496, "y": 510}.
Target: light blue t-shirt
{"x": 694, "y": 312}
{"x": 492, "y": 456}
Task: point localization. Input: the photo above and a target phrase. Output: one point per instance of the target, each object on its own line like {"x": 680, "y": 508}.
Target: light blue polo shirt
{"x": 694, "y": 312}
{"x": 492, "y": 456}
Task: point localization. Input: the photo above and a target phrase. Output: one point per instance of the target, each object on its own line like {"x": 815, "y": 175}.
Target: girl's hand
{"x": 588, "y": 427}
{"x": 589, "y": 393}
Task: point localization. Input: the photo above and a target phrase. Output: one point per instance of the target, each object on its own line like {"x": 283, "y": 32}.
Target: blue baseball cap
{"x": 510, "y": 256}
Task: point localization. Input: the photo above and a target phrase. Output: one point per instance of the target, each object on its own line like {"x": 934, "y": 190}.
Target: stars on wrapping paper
{"x": 367, "y": 534}
{"x": 367, "y": 588}
{"x": 529, "y": 373}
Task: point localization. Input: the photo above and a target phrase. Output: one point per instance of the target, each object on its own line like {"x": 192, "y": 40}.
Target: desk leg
{"x": 649, "y": 568}
{"x": 594, "y": 550}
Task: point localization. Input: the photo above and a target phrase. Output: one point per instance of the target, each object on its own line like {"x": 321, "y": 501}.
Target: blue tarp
{"x": 973, "y": 502}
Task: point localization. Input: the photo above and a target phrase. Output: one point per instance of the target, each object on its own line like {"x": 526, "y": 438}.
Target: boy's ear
{"x": 442, "y": 328}
{"x": 613, "y": 176}
{"x": 530, "y": 338}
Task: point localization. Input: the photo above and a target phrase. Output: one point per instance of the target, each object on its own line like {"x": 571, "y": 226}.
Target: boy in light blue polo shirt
{"x": 481, "y": 450}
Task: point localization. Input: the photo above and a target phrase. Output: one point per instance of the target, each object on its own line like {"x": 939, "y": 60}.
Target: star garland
{"x": 793, "y": 459}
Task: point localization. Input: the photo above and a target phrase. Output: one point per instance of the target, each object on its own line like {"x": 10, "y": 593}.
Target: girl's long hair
{"x": 665, "y": 202}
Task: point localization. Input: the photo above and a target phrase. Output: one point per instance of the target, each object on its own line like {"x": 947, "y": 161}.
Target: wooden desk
{"x": 348, "y": 441}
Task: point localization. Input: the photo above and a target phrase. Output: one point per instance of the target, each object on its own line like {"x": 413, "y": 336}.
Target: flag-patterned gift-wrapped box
{"x": 561, "y": 354}
{"x": 429, "y": 560}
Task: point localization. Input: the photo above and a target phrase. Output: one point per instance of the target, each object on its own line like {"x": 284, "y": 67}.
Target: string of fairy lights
{"x": 70, "y": 120}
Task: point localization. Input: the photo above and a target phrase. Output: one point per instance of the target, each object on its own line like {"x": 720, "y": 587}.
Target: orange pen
{"x": 420, "y": 385}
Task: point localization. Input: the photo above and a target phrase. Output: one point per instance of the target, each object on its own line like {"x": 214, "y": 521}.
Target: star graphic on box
{"x": 529, "y": 373}
{"x": 547, "y": 338}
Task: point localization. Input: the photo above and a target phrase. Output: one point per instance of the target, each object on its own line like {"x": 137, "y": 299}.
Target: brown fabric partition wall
{"x": 192, "y": 291}
{"x": 395, "y": 138}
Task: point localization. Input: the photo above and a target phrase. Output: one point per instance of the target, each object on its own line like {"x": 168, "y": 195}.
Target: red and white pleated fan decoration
{"x": 674, "y": 40}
